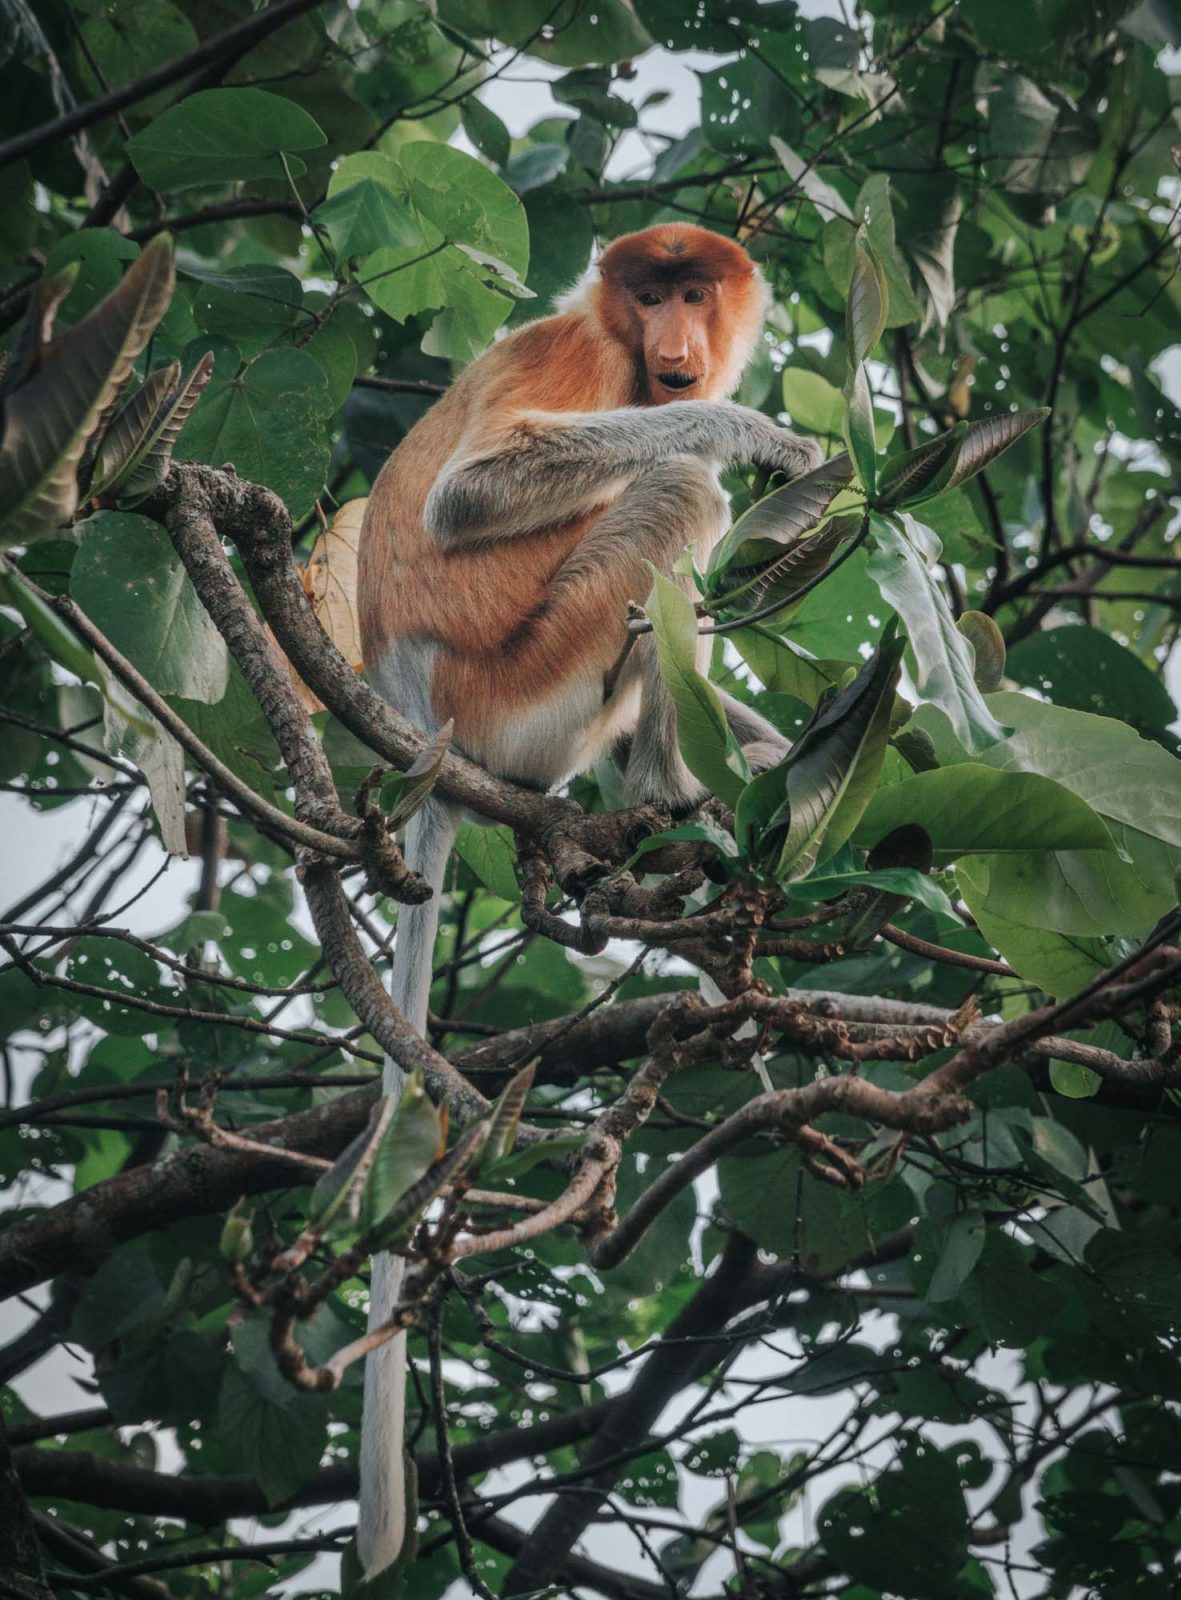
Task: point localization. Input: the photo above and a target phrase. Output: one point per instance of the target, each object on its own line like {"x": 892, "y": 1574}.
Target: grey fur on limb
{"x": 548, "y": 467}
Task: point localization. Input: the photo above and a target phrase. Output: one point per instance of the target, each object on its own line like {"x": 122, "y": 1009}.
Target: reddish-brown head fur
{"x": 686, "y": 303}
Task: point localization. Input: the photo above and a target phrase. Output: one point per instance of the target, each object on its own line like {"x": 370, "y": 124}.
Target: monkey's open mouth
{"x": 677, "y": 380}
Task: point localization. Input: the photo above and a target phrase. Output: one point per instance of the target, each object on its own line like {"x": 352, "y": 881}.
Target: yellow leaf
{"x": 330, "y": 582}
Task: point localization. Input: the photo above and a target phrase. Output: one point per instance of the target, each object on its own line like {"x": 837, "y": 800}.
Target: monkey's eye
{"x": 647, "y": 298}
{"x": 694, "y": 297}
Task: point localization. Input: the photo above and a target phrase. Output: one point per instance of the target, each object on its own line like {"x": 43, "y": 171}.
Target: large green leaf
{"x": 131, "y": 584}
{"x": 1058, "y": 963}
{"x": 268, "y": 421}
{"x": 223, "y": 136}
{"x": 473, "y": 250}
{"x": 944, "y": 657}
{"x": 709, "y": 748}
{"x": 1085, "y": 669}
{"x": 784, "y": 669}
{"x": 76, "y": 376}
{"x": 276, "y": 1432}
{"x": 366, "y": 214}
{"x": 816, "y": 795}
{"x": 789, "y": 1213}
{"x": 567, "y": 33}
{"x": 1132, "y": 783}
{"x": 490, "y": 854}
{"x": 975, "y": 808}
{"x": 815, "y": 404}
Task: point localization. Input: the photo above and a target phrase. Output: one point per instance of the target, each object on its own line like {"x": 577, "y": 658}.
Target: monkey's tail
{"x": 381, "y": 1520}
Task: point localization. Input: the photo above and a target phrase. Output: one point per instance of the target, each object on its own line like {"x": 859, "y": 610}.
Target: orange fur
{"x": 486, "y": 606}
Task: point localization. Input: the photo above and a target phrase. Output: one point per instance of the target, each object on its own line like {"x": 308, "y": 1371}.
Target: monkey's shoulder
{"x": 560, "y": 363}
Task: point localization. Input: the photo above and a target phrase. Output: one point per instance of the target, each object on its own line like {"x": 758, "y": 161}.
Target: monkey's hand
{"x": 780, "y": 450}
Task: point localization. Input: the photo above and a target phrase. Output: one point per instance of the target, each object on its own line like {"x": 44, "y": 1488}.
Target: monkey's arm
{"x": 543, "y": 468}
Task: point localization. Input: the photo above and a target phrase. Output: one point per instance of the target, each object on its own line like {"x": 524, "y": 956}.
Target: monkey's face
{"x": 676, "y": 339}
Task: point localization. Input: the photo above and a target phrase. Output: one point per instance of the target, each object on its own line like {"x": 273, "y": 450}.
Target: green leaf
{"x": 404, "y": 793}
{"x": 907, "y": 883}
{"x": 274, "y": 1431}
{"x": 1038, "y": 142}
{"x": 988, "y": 649}
{"x": 55, "y": 636}
{"x": 467, "y": 203}
{"x": 827, "y": 200}
{"x": 959, "y": 1252}
{"x": 129, "y": 426}
{"x": 567, "y": 33}
{"x": 829, "y": 774}
{"x": 1085, "y": 669}
{"x": 268, "y": 421}
{"x": 778, "y": 522}
{"x": 944, "y": 657}
{"x": 709, "y": 748}
{"x": 920, "y": 474}
{"x": 49, "y": 418}
{"x": 410, "y": 1205}
{"x": 335, "y": 1202}
{"x": 858, "y": 429}
{"x": 139, "y": 452}
{"x": 783, "y": 668}
{"x": 975, "y": 808}
{"x": 1073, "y": 1080}
{"x": 1059, "y": 963}
{"x": 130, "y": 582}
{"x": 366, "y": 215}
{"x": 984, "y": 441}
{"x": 486, "y": 131}
{"x": 490, "y": 854}
{"x": 791, "y": 1214}
{"x": 222, "y": 136}
{"x": 506, "y": 1113}
{"x": 815, "y": 404}
{"x": 412, "y": 1142}
{"x": 1132, "y": 783}
{"x": 867, "y": 303}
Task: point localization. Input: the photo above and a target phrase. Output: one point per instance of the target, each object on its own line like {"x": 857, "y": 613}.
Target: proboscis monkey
{"x": 501, "y": 544}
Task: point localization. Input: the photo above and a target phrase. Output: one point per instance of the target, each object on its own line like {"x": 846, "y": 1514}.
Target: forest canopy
{"x": 788, "y": 1190}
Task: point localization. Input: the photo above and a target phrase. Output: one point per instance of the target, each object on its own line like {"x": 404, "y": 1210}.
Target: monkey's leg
{"x": 762, "y": 743}
{"x": 567, "y": 648}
